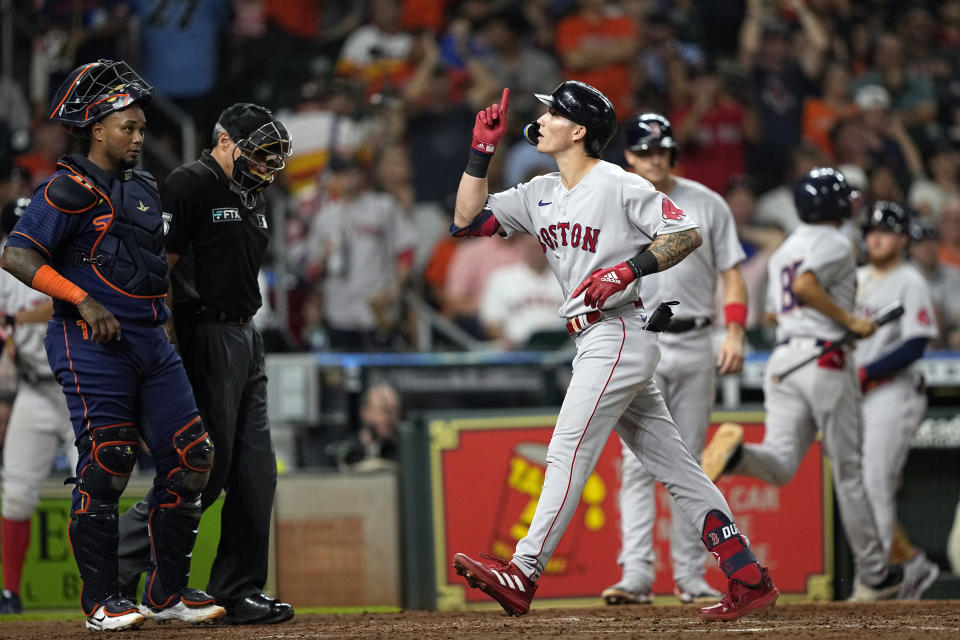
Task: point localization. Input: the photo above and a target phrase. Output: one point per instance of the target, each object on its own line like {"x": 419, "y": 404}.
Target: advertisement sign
{"x": 487, "y": 473}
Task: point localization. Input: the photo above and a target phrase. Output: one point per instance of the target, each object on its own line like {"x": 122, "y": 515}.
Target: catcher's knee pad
{"x": 194, "y": 461}
{"x": 113, "y": 454}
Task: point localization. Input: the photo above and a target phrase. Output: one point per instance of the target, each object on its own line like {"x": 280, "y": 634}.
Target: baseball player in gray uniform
{"x": 686, "y": 375}
{"x": 812, "y": 278}
{"x": 39, "y": 424}
{"x": 894, "y": 399}
{"x": 588, "y": 216}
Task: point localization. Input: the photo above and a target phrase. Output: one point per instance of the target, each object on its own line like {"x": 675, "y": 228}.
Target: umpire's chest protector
{"x": 128, "y": 251}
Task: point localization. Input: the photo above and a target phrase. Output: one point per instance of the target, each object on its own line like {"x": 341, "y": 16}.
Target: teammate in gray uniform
{"x": 39, "y": 421}
{"x": 894, "y": 399}
{"x": 812, "y": 281}
{"x": 587, "y": 216}
{"x": 686, "y": 375}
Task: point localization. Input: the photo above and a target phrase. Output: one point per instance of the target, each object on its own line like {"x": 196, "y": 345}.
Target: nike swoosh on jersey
{"x": 543, "y": 204}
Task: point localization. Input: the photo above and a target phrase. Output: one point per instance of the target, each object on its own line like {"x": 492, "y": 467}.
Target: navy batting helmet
{"x": 888, "y": 216}
{"x": 585, "y": 105}
{"x": 923, "y": 229}
{"x": 95, "y": 90}
{"x": 824, "y": 194}
{"x": 651, "y": 131}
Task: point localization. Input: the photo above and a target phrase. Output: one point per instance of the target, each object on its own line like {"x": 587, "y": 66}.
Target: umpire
{"x": 215, "y": 244}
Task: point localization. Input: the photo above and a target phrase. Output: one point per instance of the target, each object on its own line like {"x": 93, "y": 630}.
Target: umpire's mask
{"x": 262, "y": 145}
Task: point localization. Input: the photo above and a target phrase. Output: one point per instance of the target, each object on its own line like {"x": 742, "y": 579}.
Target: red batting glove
{"x": 490, "y": 126}
{"x": 603, "y": 283}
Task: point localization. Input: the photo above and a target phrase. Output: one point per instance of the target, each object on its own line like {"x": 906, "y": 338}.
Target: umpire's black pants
{"x": 225, "y": 364}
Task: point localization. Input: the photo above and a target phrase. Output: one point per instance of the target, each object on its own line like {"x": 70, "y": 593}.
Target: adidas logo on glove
{"x": 610, "y": 277}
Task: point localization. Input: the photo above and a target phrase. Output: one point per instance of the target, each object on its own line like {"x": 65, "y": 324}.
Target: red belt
{"x": 578, "y": 323}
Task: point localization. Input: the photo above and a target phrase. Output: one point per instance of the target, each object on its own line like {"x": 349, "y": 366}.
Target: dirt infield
{"x": 900, "y": 620}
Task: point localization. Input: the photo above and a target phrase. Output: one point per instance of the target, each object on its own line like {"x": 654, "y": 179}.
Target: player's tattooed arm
{"x": 671, "y": 248}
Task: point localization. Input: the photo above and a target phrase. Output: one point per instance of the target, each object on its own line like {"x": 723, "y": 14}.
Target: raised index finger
{"x": 504, "y": 100}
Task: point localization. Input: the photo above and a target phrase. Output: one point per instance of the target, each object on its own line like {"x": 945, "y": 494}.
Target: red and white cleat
{"x": 502, "y": 581}
{"x": 741, "y": 600}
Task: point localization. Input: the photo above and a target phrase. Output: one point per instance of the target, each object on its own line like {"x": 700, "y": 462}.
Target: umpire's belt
{"x": 206, "y": 313}
{"x": 577, "y": 324}
{"x": 682, "y": 325}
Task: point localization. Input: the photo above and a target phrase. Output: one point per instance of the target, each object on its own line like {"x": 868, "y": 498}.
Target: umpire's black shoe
{"x": 258, "y": 608}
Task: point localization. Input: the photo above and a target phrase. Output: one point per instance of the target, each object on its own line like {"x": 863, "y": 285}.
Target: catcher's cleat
{"x": 116, "y": 613}
{"x": 502, "y": 581}
{"x": 741, "y": 600}
{"x": 625, "y": 592}
{"x": 721, "y": 448}
{"x": 888, "y": 588}
{"x": 193, "y": 606}
{"x": 696, "y": 591}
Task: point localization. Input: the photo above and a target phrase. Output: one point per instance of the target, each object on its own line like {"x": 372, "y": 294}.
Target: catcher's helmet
{"x": 11, "y": 213}
{"x": 585, "y": 105}
{"x": 651, "y": 131}
{"x": 824, "y": 194}
{"x": 263, "y": 144}
{"x": 888, "y": 216}
{"x": 95, "y": 90}
{"x": 923, "y": 229}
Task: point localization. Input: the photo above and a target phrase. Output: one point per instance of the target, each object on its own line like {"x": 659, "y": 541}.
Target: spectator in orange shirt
{"x": 950, "y": 233}
{"x": 820, "y": 114}
{"x": 597, "y": 46}
{"x": 423, "y": 14}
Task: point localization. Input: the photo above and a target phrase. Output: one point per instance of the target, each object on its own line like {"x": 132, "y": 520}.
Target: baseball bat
{"x": 889, "y": 313}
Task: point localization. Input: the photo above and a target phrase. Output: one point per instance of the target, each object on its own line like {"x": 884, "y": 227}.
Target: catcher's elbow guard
{"x": 484, "y": 224}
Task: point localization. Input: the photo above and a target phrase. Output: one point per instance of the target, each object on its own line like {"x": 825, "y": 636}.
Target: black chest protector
{"x": 128, "y": 254}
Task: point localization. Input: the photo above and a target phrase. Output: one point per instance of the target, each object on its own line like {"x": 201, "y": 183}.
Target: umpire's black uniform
{"x": 218, "y": 235}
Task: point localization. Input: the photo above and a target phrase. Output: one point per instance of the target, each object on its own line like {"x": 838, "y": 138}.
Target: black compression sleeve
{"x": 477, "y": 164}
{"x": 643, "y": 263}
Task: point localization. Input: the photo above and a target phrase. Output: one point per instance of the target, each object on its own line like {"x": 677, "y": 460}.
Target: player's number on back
{"x": 787, "y": 300}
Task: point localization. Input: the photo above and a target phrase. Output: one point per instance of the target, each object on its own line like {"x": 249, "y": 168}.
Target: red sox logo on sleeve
{"x": 671, "y": 211}
{"x": 923, "y": 316}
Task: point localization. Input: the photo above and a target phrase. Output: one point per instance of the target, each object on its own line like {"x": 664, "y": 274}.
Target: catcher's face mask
{"x": 258, "y": 157}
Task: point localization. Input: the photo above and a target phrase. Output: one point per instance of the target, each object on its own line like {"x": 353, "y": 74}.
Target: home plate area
{"x": 901, "y": 620}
